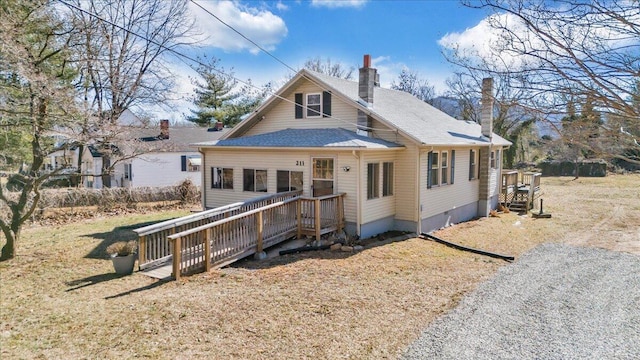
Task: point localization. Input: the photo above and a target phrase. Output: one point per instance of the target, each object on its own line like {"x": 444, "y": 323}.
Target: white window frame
{"x": 373, "y": 180}
{"x": 222, "y": 172}
{"x": 312, "y": 113}
{"x": 444, "y": 168}
{"x": 255, "y": 180}
{"x": 435, "y": 168}
{"x": 473, "y": 165}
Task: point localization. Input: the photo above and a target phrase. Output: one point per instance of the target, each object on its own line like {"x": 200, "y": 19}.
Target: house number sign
{"x": 300, "y": 163}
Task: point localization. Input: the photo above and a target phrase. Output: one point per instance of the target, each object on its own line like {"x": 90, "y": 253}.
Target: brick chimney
{"x": 486, "y": 124}
{"x": 367, "y": 81}
{"x": 164, "y": 129}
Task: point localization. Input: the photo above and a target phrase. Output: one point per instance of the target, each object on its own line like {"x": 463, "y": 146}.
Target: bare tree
{"x": 566, "y": 49}
{"x": 325, "y": 66}
{"x": 410, "y": 82}
{"x": 36, "y": 104}
{"x": 124, "y": 52}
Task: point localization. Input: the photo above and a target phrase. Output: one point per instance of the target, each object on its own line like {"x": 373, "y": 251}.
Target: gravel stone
{"x": 556, "y": 302}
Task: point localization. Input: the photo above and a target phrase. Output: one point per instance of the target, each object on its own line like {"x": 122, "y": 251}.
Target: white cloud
{"x": 338, "y": 3}
{"x": 281, "y": 6}
{"x": 259, "y": 25}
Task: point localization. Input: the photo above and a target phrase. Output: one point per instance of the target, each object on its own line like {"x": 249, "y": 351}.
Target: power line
{"x": 245, "y": 37}
{"x": 197, "y": 61}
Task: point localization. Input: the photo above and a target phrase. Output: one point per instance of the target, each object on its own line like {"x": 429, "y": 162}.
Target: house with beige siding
{"x": 400, "y": 163}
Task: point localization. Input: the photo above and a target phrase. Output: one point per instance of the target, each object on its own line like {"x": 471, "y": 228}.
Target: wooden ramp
{"x": 219, "y": 237}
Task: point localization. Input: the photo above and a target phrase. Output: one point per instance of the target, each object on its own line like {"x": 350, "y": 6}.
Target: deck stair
{"x": 520, "y": 190}
{"x": 218, "y": 237}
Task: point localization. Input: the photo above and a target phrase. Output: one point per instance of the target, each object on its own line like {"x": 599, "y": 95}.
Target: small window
{"x": 254, "y": 180}
{"x": 472, "y": 165}
{"x": 493, "y": 159}
{"x": 193, "y": 163}
{"x": 444, "y": 167}
{"x": 435, "y": 169}
{"x": 127, "y": 172}
{"x": 373, "y": 180}
{"x": 221, "y": 178}
{"x": 387, "y": 179}
{"x": 498, "y": 160}
{"x": 314, "y": 105}
{"x": 289, "y": 180}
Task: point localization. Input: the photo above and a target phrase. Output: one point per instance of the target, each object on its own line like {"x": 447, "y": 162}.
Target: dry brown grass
{"x": 60, "y": 298}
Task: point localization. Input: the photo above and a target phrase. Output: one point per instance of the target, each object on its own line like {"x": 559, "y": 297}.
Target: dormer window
{"x": 314, "y": 105}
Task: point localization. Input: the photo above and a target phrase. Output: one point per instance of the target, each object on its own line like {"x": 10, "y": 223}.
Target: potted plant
{"x": 122, "y": 255}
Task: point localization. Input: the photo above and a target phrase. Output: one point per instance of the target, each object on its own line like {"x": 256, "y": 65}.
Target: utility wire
{"x": 197, "y": 61}
{"x": 243, "y": 36}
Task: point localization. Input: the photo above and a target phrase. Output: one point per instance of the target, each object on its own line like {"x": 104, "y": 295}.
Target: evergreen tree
{"x": 218, "y": 98}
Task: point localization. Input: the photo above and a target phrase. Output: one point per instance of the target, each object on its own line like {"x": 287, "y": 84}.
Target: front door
{"x": 322, "y": 177}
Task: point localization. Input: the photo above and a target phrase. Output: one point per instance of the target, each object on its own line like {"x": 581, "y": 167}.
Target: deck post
{"x": 177, "y": 244}
{"x": 260, "y": 228}
{"x": 142, "y": 250}
{"x": 318, "y": 225}
{"x": 340, "y": 211}
{"x": 207, "y": 249}
{"x": 299, "y": 217}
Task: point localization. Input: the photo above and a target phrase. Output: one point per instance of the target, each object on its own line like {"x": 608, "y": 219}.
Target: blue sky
{"x": 397, "y": 35}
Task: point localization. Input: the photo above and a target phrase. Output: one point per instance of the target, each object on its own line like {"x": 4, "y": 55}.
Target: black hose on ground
{"x": 303, "y": 249}
{"x": 469, "y": 249}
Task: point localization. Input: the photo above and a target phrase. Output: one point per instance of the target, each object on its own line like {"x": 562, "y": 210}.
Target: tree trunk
{"x": 9, "y": 249}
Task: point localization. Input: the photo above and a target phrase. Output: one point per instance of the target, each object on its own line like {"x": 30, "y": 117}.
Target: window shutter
{"x": 478, "y": 163}
{"x": 183, "y": 162}
{"x": 130, "y": 172}
{"x": 298, "y": 97}
{"x": 326, "y": 104}
{"x": 429, "y": 164}
{"x": 453, "y": 166}
{"x": 212, "y": 176}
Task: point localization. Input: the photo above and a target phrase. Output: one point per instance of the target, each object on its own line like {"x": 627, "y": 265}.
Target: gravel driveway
{"x": 556, "y": 302}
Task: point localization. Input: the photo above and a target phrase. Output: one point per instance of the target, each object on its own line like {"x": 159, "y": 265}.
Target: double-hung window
{"x": 373, "y": 180}
{"x": 444, "y": 166}
{"x": 472, "y": 165}
{"x": 254, "y": 180}
{"x": 434, "y": 169}
{"x": 314, "y": 105}
{"x": 221, "y": 178}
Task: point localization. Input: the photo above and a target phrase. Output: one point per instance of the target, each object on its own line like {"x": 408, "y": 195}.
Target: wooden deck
{"x": 520, "y": 189}
{"x": 201, "y": 242}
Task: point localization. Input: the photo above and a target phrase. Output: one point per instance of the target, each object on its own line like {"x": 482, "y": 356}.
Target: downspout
{"x": 203, "y": 186}
{"x": 419, "y": 203}
{"x": 358, "y": 204}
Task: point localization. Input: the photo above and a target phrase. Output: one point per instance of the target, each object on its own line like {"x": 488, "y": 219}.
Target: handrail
{"x": 229, "y": 219}
{"x": 168, "y": 224}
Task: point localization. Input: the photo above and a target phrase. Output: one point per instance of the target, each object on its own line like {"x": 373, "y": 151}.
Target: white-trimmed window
{"x": 254, "y": 180}
{"x": 444, "y": 167}
{"x": 314, "y": 105}
{"x": 473, "y": 164}
{"x": 387, "y": 179}
{"x": 373, "y": 180}
{"x": 289, "y": 180}
{"x": 221, "y": 178}
{"x": 493, "y": 159}
{"x": 128, "y": 173}
{"x": 433, "y": 162}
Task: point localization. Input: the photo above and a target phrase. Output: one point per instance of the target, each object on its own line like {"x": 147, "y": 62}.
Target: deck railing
{"x": 153, "y": 245}
{"x": 226, "y": 240}
{"x": 520, "y": 187}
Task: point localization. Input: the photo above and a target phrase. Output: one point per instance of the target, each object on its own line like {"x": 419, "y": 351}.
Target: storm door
{"x": 322, "y": 176}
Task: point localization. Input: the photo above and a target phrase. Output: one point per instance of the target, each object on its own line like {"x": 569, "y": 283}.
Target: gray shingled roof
{"x": 180, "y": 138}
{"x": 306, "y": 138}
{"x": 414, "y": 117}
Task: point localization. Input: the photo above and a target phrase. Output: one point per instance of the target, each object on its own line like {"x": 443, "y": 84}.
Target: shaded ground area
{"x": 556, "y": 302}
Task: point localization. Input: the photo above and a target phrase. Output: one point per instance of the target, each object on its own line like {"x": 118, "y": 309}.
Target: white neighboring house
{"x": 174, "y": 163}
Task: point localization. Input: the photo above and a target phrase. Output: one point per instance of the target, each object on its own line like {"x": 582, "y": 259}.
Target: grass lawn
{"x": 60, "y": 298}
